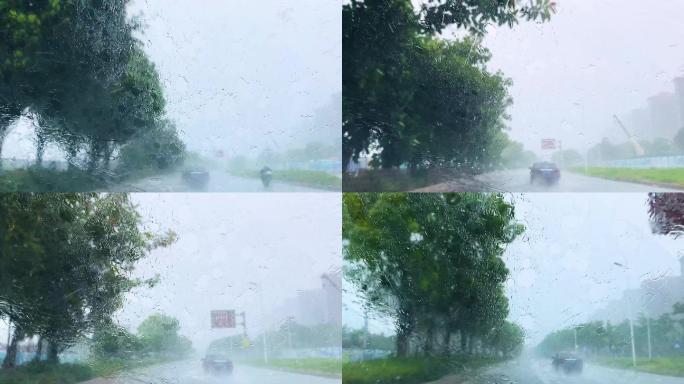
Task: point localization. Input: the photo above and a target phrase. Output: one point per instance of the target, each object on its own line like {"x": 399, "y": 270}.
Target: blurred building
{"x": 665, "y": 115}
{"x": 638, "y": 121}
{"x": 653, "y": 298}
{"x": 679, "y": 93}
{"x": 315, "y": 306}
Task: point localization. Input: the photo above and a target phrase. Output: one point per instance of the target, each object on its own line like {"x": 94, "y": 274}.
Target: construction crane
{"x": 637, "y": 147}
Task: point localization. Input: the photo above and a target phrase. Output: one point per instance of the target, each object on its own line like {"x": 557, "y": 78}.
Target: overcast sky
{"x": 223, "y": 240}
{"x": 592, "y": 60}
{"x": 239, "y": 77}
{"x": 561, "y": 269}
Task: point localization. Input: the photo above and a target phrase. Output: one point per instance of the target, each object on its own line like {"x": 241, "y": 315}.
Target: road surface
{"x": 539, "y": 371}
{"x": 518, "y": 180}
{"x": 219, "y": 181}
{"x": 190, "y": 372}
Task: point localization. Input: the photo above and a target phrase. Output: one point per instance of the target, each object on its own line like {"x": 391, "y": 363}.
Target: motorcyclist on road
{"x": 266, "y": 176}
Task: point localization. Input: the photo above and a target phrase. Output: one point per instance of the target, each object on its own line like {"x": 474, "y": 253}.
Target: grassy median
{"x": 312, "y": 179}
{"x": 315, "y": 366}
{"x": 46, "y": 180}
{"x": 670, "y": 366}
{"x": 33, "y": 373}
{"x": 665, "y": 176}
{"x": 408, "y": 371}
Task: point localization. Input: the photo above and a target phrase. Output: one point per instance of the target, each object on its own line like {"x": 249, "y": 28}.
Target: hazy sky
{"x": 223, "y": 241}
{"x": 561, "y": 269}
{"x": 239, "y": 77}
{"x": 592, "y": 60}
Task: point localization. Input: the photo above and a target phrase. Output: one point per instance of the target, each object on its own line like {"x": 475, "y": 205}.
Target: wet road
{"x": 519, "y": 181}
{"x": 191, "y": 372}
{"x": 539, "y": 371}
{"x": 219, "y": 181}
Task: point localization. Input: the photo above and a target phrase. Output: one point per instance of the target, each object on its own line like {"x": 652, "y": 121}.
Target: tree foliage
{"x": 66, "y": 262}
{"x": 411, "y": 98}
{"x": 431, "y": 261}
{"x": 76, "y": 68}
{"x": 605, "y": 339}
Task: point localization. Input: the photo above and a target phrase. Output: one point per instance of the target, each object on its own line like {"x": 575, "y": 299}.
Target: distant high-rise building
{"x": 332, "y": 285}
{"x": 679, "y": 92}
{"x": 315, "y": 306}
{"x": 654, "y": 298}
{"x": 638, "y": 121}
{"x": 665, "y": 115}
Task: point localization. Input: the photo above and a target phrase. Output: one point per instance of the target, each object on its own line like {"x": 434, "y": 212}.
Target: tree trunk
{"x": 405, "y": 326}
{"x": 402, "y": 344}
{"x": 39, "y": 349}
{"x": 346, "y": 157}
{"x": 447, "y": 342}
{"x": 12, "y": 349}
{"x": 464, "y": 341}
{"x": 53, "y": 353}
{"x": 108, "y": 154}
{"x": 427, "y": 348}
{"x": 40, "y": 150}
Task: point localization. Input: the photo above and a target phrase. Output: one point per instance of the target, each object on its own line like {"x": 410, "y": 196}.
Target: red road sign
{"x": 548, "y": 143}
{"x": 223, "y": 319}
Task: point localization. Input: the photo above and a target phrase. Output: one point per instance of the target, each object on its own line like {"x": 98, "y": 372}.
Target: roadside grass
{"x": 316, "y": 366}
{"x": 47, "y": 180}
{"x": 69, "y": 373}
{"x": 43, "y": 373}
{"x": 669, "y": 366}
{"x": 666, "y": 176}
{"x": 314, "y": 179}
{"x": 409, "y": 370}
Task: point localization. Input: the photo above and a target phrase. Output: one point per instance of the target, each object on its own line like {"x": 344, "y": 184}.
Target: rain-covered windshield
{"x": 465, "y": 95}
{"x": 526, "y": 288}
{"x": 129, "y": 95}
{"x": 170, "y": 288}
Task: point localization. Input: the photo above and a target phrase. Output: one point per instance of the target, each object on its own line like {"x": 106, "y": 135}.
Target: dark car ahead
{"x": 217, "y": 362}
{"x": 196, "y": 178}
{"x": 545, "y": 171}
{"x": 567, "y": 362}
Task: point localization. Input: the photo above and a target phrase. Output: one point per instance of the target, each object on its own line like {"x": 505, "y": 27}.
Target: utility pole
{"x": 244, "y": 323}
{"x": 629, "y": 310}
{"x": 263, "y": 317}
{"x": 575, "y": 339}
{"x": 631, "y": 334}
{"x": 648, "y": 333}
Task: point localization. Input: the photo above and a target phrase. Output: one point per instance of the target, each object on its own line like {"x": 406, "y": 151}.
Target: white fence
{"x": 646, "y": 162}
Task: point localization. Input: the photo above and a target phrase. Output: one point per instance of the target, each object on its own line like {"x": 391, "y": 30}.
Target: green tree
{"x": 430, "y": 258}
{"x": 65, "y": 262}
{"x": 514, "y": 155}
{"x": 396, "y": 73}
{"x": 77, "y": 66}
{"x": 158, "y": 148}
{"x": 159, "y": 334}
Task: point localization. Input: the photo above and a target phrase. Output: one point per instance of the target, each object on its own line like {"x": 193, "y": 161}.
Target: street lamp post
{"x": 629, "y": 311}
{"x": 648, "y": 334}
